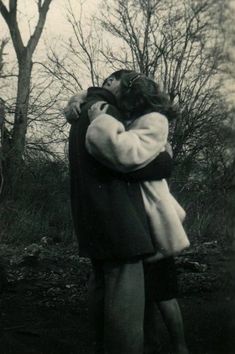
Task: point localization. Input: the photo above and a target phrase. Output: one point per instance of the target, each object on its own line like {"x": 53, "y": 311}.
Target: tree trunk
{"x": 14, "y": 161}
{"x": 2, "y": 119}
{"x": 22, "y": 103}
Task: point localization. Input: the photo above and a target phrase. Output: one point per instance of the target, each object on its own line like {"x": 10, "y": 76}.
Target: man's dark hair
{"x": 118, "y": 74}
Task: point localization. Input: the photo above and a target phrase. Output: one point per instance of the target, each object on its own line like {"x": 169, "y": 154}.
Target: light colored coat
{"x": 128, "y": 149}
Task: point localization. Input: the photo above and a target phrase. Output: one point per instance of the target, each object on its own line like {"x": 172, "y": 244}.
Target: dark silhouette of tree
{"x": 24, "y": 54}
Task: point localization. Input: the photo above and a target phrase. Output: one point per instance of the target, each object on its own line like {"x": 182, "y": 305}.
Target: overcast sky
{"x": 56, "y": 24}
{"x": 56, "y": 27}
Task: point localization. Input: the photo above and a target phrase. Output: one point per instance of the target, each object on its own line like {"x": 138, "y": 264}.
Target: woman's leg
{"x": 161, "y": 290}
{"x": 172, "y": 317}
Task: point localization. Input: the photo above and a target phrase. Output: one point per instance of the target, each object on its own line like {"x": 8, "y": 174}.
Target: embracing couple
{"x": 126, "y": 220}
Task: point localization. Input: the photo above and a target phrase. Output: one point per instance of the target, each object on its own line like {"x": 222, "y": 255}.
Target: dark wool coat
{"x": 107, "y": 207}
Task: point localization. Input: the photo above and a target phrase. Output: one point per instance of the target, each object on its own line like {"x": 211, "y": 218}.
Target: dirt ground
{"x": 43, "y": 308}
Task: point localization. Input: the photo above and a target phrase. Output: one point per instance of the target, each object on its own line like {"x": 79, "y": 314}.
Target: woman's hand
{"x": 154, "y": 258}
{"x": 97, "y": 109}
{"x": 73, "y": 108}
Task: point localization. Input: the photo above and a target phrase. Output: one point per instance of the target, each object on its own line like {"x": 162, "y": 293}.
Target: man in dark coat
{"x": 112, "y": 230}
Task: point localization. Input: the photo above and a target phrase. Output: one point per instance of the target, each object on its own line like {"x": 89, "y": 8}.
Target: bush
{"x": 206, "y": 205}
{"x": 40, "y": 206}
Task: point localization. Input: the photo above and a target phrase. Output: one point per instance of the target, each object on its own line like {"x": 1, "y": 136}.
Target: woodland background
{"x": 186, "y": 46}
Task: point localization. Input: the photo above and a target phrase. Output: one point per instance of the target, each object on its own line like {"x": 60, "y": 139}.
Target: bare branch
{"x": 4, "y": 12}
{"x": 11, "y": 20}
{"x": 43, "y": 9}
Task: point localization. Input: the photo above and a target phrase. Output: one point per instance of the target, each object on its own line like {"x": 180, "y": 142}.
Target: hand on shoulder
{"x": 73, "y": 109}
{"x": 97, "y": 109}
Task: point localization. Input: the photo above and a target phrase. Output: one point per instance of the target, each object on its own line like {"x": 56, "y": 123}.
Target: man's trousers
{"x": 116, "y": 306}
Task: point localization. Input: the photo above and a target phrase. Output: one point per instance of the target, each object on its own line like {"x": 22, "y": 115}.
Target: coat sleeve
{"x": 127, "y": 150}
{"x": 161, "y": 167}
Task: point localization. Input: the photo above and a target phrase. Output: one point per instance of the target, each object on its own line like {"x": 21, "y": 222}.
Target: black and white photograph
{"x": 117, "y": 177}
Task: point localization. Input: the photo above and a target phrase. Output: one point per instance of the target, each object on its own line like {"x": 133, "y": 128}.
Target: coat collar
{"x": 101, "y": 93}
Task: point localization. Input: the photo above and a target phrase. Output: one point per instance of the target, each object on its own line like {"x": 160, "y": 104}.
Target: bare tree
{"x": 24, "y": 54}
{"x": 82, "y": 63}
{"x": 180, "y": 45}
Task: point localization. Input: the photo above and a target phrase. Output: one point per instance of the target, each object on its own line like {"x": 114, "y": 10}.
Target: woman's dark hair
{"x": 141, "y": 95}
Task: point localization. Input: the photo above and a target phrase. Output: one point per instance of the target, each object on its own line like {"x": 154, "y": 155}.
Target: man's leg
{"x": 172, "y": 317}
{"x": 96, "y": 306}
{"x": 124, "y": 308}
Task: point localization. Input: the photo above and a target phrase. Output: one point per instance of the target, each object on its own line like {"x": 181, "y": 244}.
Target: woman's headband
{"x": 133, "y": 79}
